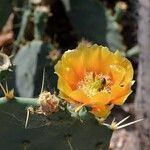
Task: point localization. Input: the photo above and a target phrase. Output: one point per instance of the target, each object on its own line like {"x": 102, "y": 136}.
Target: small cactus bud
{"x": 48, "y": 103}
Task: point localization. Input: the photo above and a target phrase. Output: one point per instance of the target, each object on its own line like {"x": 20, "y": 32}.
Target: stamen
{"x": 94, "y": 83}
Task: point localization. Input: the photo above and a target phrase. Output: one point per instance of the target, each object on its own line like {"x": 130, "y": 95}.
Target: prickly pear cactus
{"x": 92, "y": 21}
{"x": 88, "y": 18}
{"x": 5, "y": 10}
{"x": 31, "y": 59}
{"x": 56, "y": 131}
{"x": 30, "y": 62}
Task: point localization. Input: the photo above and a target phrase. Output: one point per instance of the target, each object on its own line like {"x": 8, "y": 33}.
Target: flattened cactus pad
{"x": 58, "y": 131}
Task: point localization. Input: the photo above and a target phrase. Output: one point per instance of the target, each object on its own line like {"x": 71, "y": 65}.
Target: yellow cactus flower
{"x": 93, "y": 76}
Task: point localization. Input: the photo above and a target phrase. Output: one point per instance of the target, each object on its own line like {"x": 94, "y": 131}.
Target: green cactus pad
{"x": 3, "y": 75}
{"x": 58, "y": 131}
{"x": 92, "y": 21}
{"x": 30, "y": 62}
{"x": 5, "y": 10}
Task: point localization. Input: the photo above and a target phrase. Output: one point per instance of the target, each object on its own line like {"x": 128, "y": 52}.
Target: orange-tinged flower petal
{"x": 101, "y": 111}
{"x": 120, "y": 92}
{"x": 118, "y": 73}
{"x": 79, "y": 96}
{"x": 66, "y": 73}
{"x": 63, "y": 86}
{"x": 125, "y": 63}
{"x": 120, "y": 100}
{"x": 101, "y": 98}
{"x": 95, "y": 58}
{"x": 74, "y": 58}
{"x": 64, "y": 96}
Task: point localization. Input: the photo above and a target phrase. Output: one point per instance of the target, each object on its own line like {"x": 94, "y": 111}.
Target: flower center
{"x": 94, "y": 83}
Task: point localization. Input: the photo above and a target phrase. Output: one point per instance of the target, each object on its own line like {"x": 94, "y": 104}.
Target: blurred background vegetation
{"x": 35, "y": 33}
{"x": 54, "y": 26}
